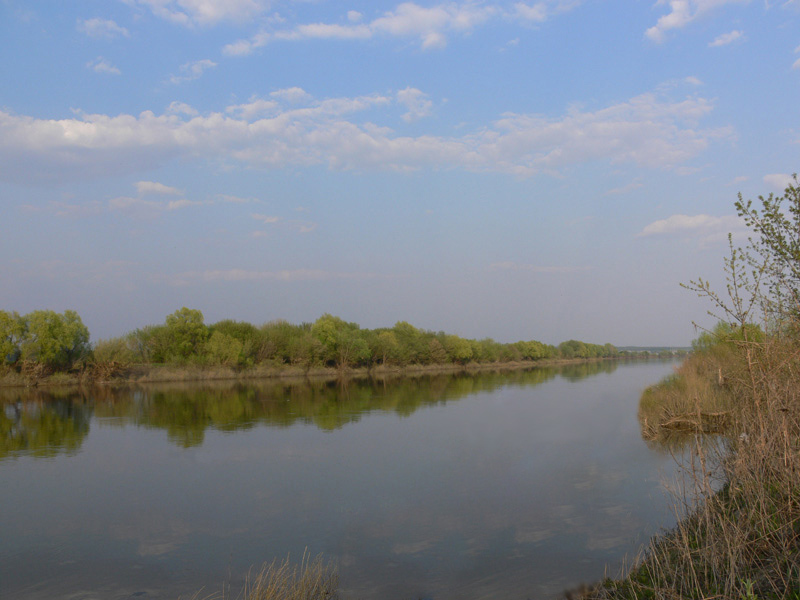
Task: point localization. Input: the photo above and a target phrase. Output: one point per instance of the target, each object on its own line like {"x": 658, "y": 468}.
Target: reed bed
{"x": 738, "y": 506}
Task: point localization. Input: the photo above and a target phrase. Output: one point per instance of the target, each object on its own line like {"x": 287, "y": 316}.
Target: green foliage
{"x": 728, "y": 335}
{"x": 12, "y": 332}
{"x": 113, "y": 350}
{"x": 43, "y": 429}
{"x": 458, "y": 349}
{"x": 777, "y": 224}
{"x": 246, "y": 334}
{"x": 58, "y": 341}
{"x": 185, "y": 334}
{"x": 413, "y": 348}
{"x": 53, "y": 339}
{"x": 384, "y": 347}
{"x": 148, "y": 344}
{"x": 342, "y": 342}
{"x": 224, "y": 349}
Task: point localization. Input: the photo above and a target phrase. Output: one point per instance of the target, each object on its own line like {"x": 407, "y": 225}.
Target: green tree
{"x": 777, "y": 225}
{"x": 186, "y": 334}
{"x": 412, "y": 347}
{"x": 224, "y": 349}
{"x": 343, "y": 345}
{"x": 248, "y": 335}
{"x": 573, "y": 349}
{"x": 384, "y": 347}
{"x": 53, "y": 339}
{"x": 459, "y": 349}
{"x": 12, "y": 332}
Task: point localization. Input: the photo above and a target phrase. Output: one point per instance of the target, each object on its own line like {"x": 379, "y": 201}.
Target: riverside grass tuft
{"x": 738, "y": 506}
{"x": 312, "y": 579}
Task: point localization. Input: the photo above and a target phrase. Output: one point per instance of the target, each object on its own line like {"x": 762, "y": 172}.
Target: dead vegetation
{"x": 312, "y": 579}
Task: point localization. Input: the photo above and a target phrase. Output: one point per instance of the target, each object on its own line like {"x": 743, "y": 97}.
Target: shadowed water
{"x": 514, "y": 485}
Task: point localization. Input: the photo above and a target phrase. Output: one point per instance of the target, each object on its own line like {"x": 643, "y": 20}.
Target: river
{"x": 512, "y": 486}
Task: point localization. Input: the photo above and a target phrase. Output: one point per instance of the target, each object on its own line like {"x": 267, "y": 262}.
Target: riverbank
{"x": 118, "y": 374}
{"x": 738, "y": 533}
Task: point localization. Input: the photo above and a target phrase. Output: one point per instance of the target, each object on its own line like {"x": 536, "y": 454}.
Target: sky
{"x": 517, "y": 170}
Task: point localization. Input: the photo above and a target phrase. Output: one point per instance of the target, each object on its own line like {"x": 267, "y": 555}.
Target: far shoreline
{"x": 123, "y": 375}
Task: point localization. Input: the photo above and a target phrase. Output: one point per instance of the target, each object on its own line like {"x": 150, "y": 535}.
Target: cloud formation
{"x": 417, "y": 103}
{"x": 153, "y": 187}
{"x": 430, "y": 26}
{"x": 726, "y": 38}
{"x": 101, "y": 28}
{"x": 683, "y": 12}
{"x": 192, "y": 70}
{"x": 779, "y": 181}
{"x": 706, "y": 226}
{"x": 190, "y": 13}
{"x": 101, "y": 65}
{"x": 647, "y": 130}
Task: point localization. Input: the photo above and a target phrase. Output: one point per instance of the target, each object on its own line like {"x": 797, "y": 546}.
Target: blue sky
{"x": 515, "y": 170}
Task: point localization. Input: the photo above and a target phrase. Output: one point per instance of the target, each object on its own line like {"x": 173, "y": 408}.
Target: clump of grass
{"x": 312, "y": 579}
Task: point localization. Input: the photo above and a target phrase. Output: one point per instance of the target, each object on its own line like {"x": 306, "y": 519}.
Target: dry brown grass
{"x": 738, "y": 534}
{"x": 312, "y": 579}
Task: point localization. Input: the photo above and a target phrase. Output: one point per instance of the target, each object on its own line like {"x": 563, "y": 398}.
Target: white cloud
{"x": 646, "y": 130}
{"x": 704, "y": 225}
{"x": 149, "y": 208}
{"x": 739, "y": 179}
{"x": 692, "y": 80}
{"x": 182, "y": 203}
{"x": 293, "y": 95}
{"x": 142, "y": 206}
{"x": 417, "y": 103}
{"x": 779, "y": 181}
{"x": 202, "y": 12}
{"x": 727, "y": 38}
{"x": 266, "y": 219}
{"x": 796, "y": 64}
{"x": 429, "y": 25}
{"x": 192, "y": 70}
{"x": 101, "y": 65}
{"x": 153, "y": 187}
{"x": 101, "y": 28}
{"x": 536, "y": 13}
{"x": 683, "y": 12}
{"x": 255, "y": 108}
{"x": 182, "y": 108}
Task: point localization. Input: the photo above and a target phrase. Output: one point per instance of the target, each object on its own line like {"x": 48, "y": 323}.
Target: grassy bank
{"x": 733, "y": 412}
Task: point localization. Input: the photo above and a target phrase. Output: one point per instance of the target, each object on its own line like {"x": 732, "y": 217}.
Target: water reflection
{"x": 504, "y": 485}
{"x": 45, "y": 422}
{"x": 43, "y": 428}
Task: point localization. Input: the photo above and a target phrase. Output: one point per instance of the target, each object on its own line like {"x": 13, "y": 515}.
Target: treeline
{"x": 61, "y": 341}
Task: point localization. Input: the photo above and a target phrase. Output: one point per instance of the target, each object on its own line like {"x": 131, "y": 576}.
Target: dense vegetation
{"x": 733, "y": 411}
{"x": 46, "y": 339}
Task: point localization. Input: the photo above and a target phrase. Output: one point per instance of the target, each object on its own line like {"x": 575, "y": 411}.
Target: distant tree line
{"x": 61, "y": 341}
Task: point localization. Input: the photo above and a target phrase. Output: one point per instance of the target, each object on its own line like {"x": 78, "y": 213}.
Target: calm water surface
{"x": 511, "y": 486}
